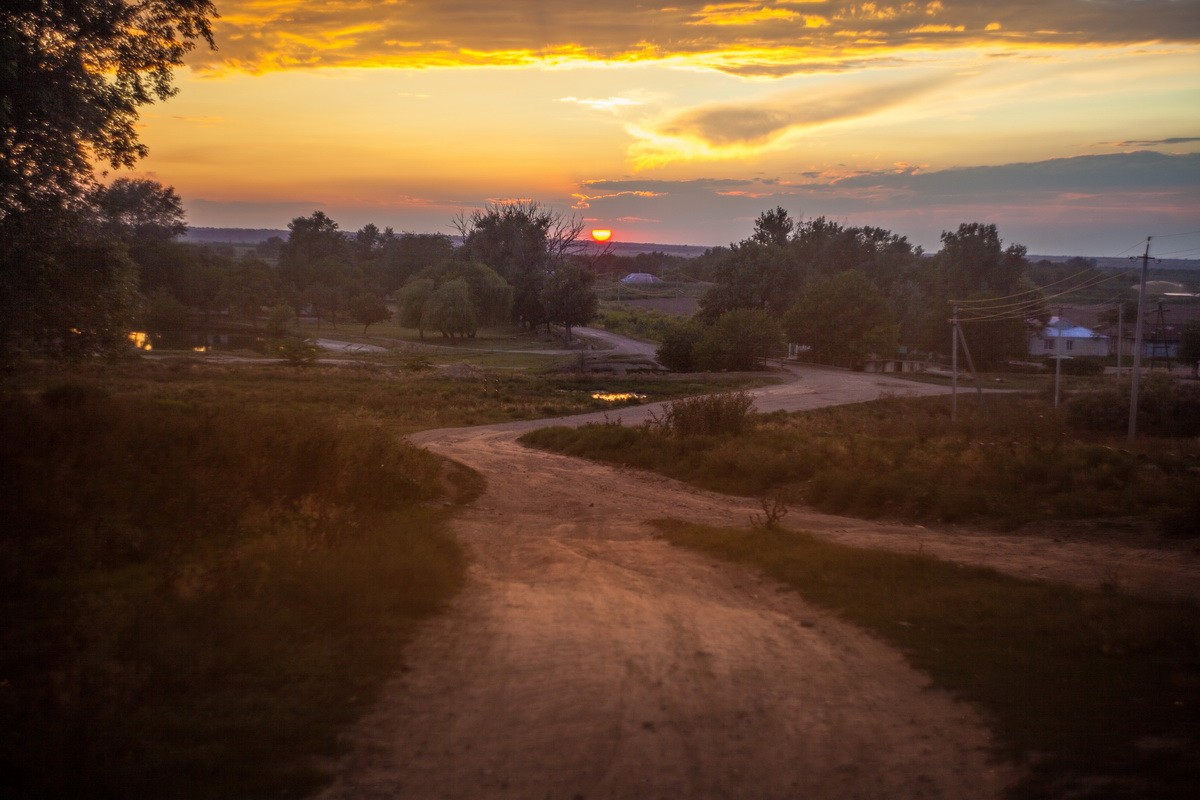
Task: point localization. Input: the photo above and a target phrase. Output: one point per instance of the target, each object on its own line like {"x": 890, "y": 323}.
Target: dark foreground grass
{"x": 196, "y": 601}
{"x": 1012, "y": 461}
{"x": 1097, "y": 693}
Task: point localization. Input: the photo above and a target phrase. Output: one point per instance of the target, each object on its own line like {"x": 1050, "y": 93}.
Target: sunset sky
{"x": 1074, "y": 125}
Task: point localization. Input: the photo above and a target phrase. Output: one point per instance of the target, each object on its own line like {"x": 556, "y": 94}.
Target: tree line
{"x": 844, "y": 293}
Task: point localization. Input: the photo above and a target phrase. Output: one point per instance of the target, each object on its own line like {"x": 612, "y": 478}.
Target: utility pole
{"x": 1137, "y": 346}
{"x": 954, "y": 367}
{"x": 1120, "y": 333}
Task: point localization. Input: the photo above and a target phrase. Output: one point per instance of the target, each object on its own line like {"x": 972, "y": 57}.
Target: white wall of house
{"x": 1067, "y": 340}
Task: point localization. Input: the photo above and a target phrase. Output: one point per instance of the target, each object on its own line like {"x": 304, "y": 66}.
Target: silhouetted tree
{"x": 74, "y": 77}
{"x": 569, "y": 297}
{"x": 367, "y": 309}
{"x": 773, "y": 227}
{"x": 843, "y": 318}
{"x": 738, "y": 340}
{"x": 521, "y": 241}
{"x": 973, "y": 258}
{"x": 139, "y": 210}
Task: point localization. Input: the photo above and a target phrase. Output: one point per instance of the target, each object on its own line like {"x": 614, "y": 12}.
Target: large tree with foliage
{"x": 569, "y": 297}
{"x": 843, "y": 318}
{"x": 72, "y": 78}
{"x": 738, "y": 340}
{"x": 74, "y": 75}
{"x": 140, "y": 210}
{"x": 523, "y": 242}
{"x": 974, "y": 259}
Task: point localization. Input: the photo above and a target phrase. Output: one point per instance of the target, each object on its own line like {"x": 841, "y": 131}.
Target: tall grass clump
{"x": 707, "y": 415}
{"x": 195, "y": 599}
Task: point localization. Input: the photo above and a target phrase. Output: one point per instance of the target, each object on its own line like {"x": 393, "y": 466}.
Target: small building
{"x": 641, "y": 277}
{"x": 1061, "y": 337}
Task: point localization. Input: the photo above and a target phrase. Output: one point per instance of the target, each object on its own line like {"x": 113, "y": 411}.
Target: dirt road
{"x": 586, "y": 659}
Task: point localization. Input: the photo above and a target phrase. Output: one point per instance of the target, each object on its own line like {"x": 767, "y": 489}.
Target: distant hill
{"x": 1109, "y": 262}
{"x": 257, "y": 235}
{"x": 231, "y": 235}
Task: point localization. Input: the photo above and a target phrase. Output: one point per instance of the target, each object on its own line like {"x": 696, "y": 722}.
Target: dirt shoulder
{"x": 588, "y": 659}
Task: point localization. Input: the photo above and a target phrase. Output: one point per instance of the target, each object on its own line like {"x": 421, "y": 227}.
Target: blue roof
{"x": 1063, "y": 329}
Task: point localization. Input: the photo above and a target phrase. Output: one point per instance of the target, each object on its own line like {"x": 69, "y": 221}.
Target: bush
{"x": 709, "y": 415}
{"x": 1165, "y": 408}
{"x": 738, "y": 340}
{"x": 678, "y": 343}
{"x": 1085, "y": 366}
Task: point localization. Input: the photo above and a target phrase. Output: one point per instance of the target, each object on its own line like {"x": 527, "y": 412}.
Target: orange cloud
{"x": 743, "y": 37}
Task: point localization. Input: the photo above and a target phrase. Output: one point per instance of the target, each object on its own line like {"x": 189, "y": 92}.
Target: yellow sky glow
{"x": 694, "y": 116}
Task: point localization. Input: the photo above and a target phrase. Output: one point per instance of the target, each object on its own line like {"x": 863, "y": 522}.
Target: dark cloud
{"x": 1156, "y": 142}
{"x": 1118, "y": 172}
{"x": 728, "y": 124}
{"x": 762, "y": 39}
{"x": 1087, "y": 205}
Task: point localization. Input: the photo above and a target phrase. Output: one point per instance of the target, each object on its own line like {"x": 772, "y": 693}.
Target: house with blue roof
{"x": 1060, "y": 337}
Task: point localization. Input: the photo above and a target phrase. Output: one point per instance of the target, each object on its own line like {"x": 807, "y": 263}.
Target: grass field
{"x": 1010, "y": 461}
{"x": 1096, "y": 693}
{"x": 206, "y": 563}
{"x": 185, "y": 587}
{"x": 402, "y": 393}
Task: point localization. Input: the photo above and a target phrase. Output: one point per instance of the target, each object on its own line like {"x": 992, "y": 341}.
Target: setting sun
{"x": 601, "y": 234}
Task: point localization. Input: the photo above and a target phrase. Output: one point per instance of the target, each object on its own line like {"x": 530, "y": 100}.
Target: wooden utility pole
{"x": 954, "y": 366}
{"x": 1120, "y": 333}
{"x": 1137, "y": 346}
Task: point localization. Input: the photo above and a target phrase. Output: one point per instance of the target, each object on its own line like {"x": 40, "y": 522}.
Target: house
{"x": 1061, "y": 337}
{"x": 641, "y": 277}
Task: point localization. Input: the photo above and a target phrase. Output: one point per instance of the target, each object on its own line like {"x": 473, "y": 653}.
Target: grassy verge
{"x": 407, "y": 396}
{"x": 1010, "y": 462}
{"x": 1098, "y": 693}
{"x": 197, "y": 599}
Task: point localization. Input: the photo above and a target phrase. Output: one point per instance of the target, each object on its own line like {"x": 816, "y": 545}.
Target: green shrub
{"x": 707, "y": 415}
{"x": 678, "y": 343}
{"x": 738, "y": 340}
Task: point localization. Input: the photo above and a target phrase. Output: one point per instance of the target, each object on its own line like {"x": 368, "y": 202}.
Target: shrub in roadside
{"x": 738, "y": 340}
{"x": 297, "y": 352}
{"x": 676, "y": 351}
{"x": 708, "y": 415}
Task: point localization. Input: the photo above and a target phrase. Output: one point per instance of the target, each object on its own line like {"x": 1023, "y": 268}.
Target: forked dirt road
{"x": 587, "y": 659}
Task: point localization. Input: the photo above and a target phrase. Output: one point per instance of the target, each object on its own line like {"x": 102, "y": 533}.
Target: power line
{"x": 1169, "y": 235}
{"x": 1018, "y": 310}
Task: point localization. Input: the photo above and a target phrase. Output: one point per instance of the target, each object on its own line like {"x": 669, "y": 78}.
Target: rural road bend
{"x": 585, "y": 658}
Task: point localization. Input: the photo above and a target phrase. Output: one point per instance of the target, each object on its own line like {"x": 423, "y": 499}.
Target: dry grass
{"x": 1095, "y": 692}
{"x": 1012, "y": 461}
{"x": 196, "y": 599}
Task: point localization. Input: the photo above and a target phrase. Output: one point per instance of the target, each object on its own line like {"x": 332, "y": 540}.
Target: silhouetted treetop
{"x": 74, "y": 75}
